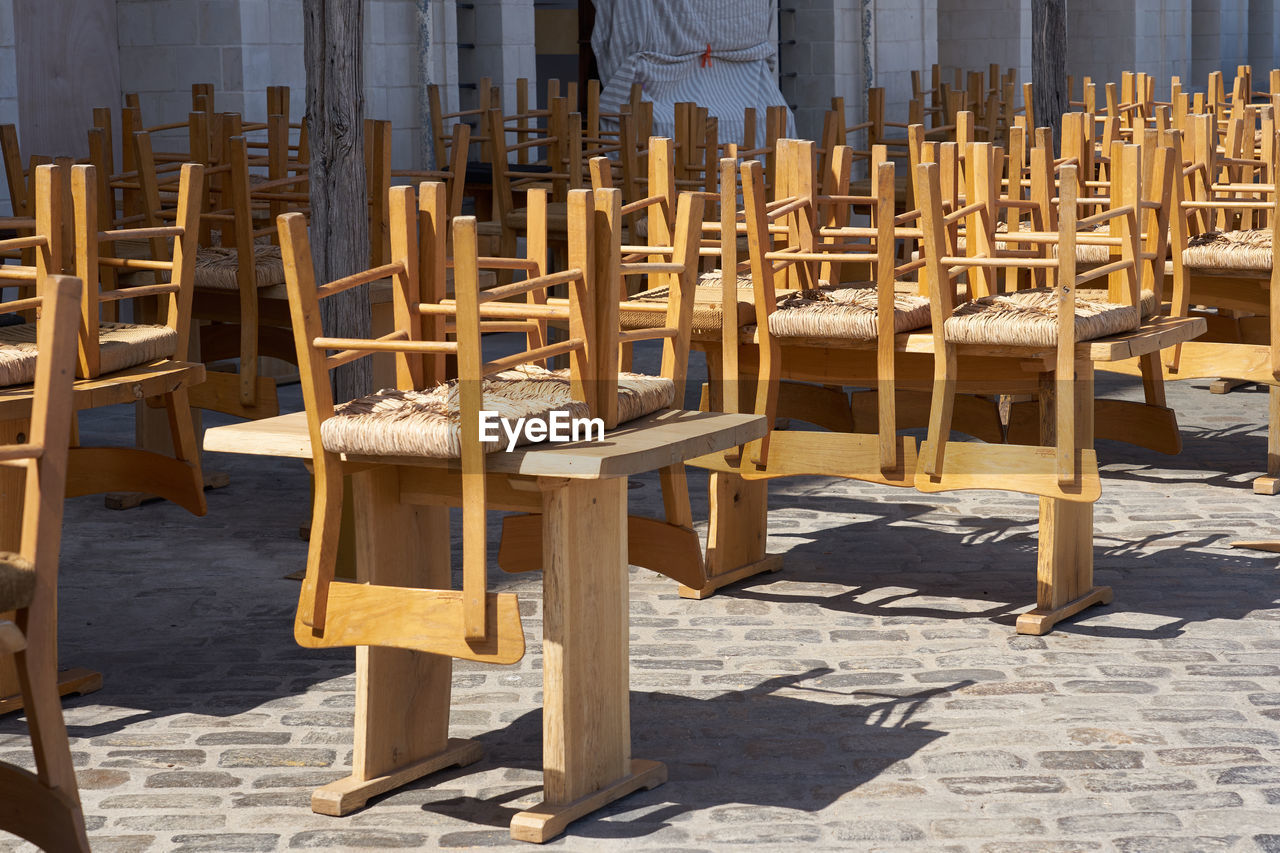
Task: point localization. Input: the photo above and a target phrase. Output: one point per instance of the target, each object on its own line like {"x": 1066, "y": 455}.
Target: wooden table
{"x": 402, "y": 539}
{"x": 1064, "y": 564}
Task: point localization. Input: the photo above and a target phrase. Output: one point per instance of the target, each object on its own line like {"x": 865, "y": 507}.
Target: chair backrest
{"x": 560, "y": 162}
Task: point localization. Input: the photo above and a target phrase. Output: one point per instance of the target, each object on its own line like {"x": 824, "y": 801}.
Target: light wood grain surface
{"x": 642, "y": 445}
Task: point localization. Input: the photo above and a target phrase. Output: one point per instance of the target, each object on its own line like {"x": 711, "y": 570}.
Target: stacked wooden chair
{"x": 42, "y": 807}
{"x": 1222, "y": 235}
{"x": 669, "y": 263}
{"x": 117, "y": 362}
{"x": 239, "y": 279}
{"x": 416, "y": 420}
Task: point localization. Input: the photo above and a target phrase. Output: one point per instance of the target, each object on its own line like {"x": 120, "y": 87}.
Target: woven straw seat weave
{"x": 842, "y": 312}
{"x": 428, "y": 423}
{"x": 1146, "y": 299}
{"x": 1230, "y": 250}
{"x": 216, "y": 268}
{"x": 1030, "y": 318}
{"x": 708, "y": 308}
{"x": 120, "y": 346}
{"x": 17, "y": 581}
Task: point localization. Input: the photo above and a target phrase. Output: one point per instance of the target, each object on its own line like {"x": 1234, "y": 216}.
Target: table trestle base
{"x": 1041, "y": 621}
{"x": 546, "y": 820}
{"x": 352, "y": 793}
{"x": 771, "y": 563}
{"x": 76, "y": 681}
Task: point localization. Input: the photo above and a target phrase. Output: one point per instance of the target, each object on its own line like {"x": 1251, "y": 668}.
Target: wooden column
{"x": 1049, "y": 62}
{"x": 334, "y": 58}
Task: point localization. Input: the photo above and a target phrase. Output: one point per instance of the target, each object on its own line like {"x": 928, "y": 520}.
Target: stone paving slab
{"x": 872, "y": 696}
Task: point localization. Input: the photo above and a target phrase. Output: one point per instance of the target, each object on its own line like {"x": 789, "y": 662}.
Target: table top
{"x": 645, "y": 444}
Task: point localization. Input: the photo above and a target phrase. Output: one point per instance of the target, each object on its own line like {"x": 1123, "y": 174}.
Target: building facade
{"x": 51, "y": 77}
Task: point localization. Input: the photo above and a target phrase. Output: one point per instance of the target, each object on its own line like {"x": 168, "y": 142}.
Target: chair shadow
{"x": 812, "y": 750}
{"x": 901, "y": 579}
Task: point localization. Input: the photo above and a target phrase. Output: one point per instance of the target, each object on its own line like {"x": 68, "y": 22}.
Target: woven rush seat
{"x": 843, "y": 312}
{"x": 120, "y": 346}
{"x": 1030, "y": 318}
{"x": 394, "y": 422}
{"x": 216, "y": 268}
{"x": 708, "y": 305}
{"x": 17, "y": 581}
{"x": 1230, "y": 250}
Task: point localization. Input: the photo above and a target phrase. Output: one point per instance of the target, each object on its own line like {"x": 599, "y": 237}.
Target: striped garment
{"x": 717, "y": 53}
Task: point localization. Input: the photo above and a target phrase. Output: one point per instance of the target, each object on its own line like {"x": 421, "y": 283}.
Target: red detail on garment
{"x": 706, "y": 57}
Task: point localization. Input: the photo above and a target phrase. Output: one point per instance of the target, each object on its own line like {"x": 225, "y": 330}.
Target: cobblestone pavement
{"x": 872, "y": 696}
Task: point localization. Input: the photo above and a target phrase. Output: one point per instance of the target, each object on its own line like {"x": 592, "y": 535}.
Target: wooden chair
{"x": 42, "y": 807}
{"x": 1221, "y": 241}
{"x": 560, "y": 167}
{"x": 669, "y": 311}
{"x": 1050, "y": 320}
{"x": 794, "y": 304}
{"x": 117, "y": 362}
{"x": 238, "y": 284}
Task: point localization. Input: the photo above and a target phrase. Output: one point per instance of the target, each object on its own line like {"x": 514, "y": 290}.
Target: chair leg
{"x": 506, "y": 249}
{"x": 1270, "y": 483}
{"x": 322, "y": 556}
{"x": 51, "y": 811}
{"x": 941, "y": 409}
{"x": 249, "y": 350}
{"x": 185, "y": 447}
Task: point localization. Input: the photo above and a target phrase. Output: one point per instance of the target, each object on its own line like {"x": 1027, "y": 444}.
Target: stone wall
{"x": 8, "y": 84}
{"x": 980, "y": 32}
{"x": 821, "y": 56}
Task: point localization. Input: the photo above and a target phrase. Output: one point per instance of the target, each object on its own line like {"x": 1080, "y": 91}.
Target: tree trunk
{"x": 1049, "y": 63}
{"x": 334, "y": 60}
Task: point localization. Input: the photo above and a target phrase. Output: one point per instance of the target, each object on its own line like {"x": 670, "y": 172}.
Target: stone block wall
{"x": 820, "y": 56}
{"x": 904, "y": 38}
{"x": 980, "y": 32}
{"x": 8, "y": 85}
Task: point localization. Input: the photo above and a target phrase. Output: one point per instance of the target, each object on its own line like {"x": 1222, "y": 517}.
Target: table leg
{"x": 12, "y": 484}
{"x": 586, "y": 715}
{"x": 402, "y": 697}
{"x": 1270, "y": 484}
{"x": 1064, "y": 563}
{"x": 737, "y": 528}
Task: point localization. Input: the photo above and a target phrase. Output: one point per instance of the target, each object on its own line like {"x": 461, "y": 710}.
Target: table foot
{"x": 546, "y": 820}
{"x": 771, "y": 563}
{"x": 77, "y": 681}
{"x": 1266, "y": 486}
{"x": 347, "y": 795}
{"x": 1041, "y": 621}
{"x": 132, "y": 500}
{"x": 1226, "y": 386}
{"x": 1258, "y": 545}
